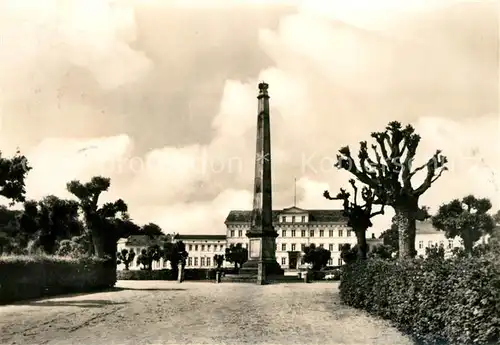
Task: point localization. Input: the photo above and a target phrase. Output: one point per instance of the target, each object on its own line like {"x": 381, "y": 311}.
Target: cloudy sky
{"x": 161, "y": 96}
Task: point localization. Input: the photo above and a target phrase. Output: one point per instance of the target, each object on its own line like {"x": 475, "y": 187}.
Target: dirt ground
{"x": 160, "y": 312}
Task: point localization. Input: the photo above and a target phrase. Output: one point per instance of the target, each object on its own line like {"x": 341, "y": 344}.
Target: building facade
{"x": 297, "y": 228}
{"x": 202, "y": 249}
{"x": 137, "y": 243}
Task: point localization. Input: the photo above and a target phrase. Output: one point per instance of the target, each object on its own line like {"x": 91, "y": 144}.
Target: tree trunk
{"x": 98, "y": 244}
{"x": 468, "y": 243}
{"x": 406, "y": 222}
{"x": 362, "y": 245}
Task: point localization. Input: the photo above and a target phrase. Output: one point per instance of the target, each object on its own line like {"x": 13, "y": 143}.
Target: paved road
{"x": 158, "y": 312}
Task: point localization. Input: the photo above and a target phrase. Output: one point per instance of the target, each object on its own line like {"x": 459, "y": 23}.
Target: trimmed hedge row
{"x": 166, "y": 274}
{"x": 437, "y": 301}
{"x": 26, "y": 277}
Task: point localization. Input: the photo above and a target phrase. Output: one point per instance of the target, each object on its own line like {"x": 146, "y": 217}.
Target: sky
{"x": 160, "y": 96}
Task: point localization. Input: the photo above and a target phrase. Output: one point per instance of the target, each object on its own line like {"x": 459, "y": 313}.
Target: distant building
{"x": 427, "y": 236}
{"x": 296, "y": 229}
{"x": 202, "y": 249}
{"x": 137, "y": 243}
{"x": 373, "y": 242}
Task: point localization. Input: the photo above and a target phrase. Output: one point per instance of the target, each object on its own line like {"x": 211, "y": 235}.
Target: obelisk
{"x": 262, "y": 236}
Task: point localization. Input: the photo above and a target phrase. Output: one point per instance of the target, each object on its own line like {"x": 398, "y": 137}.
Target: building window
{"x": 293, "y": 247}
{"x": 293, "y": 219}
{"x": 190, "y": 247}
{"x": 202, "y": 247}
{"x": 190, "y": 261}
{"x": 221, "y": 247}
{"x": 330, "y": 247}
{"x": 450, "y": 244}
{"x": 429, "y": 244}
{"x": 195, "y": 247}
{"x": 341, "y": 233}
{"x": 283, "y": 233}
{"x": 283, "y": 261}
{"x": 420, "y": 244}
{"x": 321, "y": 245}
{"x": 283, "y": 246}
{"x": 311, "y": 233}
{"x": 303, "y": 220}
{"x": 330, "y": 233}
{"x": 283, "y": 219}
{"x": 348, "y": 233}
{"x": 195, "y": 261}
{"x": 302, "y": 233}
{"x": 303, "y": 246}
{"x": 208, "y": 262}
{"x": 293, "y": 233}
{"x": 209, "y": 247}
{"x": 240, "y": 233}
{"x": 231, "y": 233}
{"x": 340, "y": 262}
{"x": 330, "y": 262}
{"x": 340, "y": 247}
{"x": 202, "y": 262}
{"x": 321, "y": 233}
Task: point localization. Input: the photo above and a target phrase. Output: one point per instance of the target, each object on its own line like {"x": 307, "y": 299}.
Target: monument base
{"x": 251, "y": 268}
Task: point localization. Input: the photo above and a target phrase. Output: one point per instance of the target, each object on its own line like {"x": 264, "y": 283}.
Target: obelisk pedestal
{"x": 262, "y": 236}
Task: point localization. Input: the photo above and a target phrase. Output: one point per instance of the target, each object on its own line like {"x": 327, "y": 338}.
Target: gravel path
{"x": 159, "y": 312}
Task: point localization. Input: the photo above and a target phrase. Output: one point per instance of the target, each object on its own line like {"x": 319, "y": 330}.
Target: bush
{"x": 166, "y": 274}
{"x": 26, "y": 277}
{"x": 437, "y": 301}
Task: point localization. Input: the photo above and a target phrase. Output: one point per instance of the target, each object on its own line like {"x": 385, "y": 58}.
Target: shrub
{"x": 25, "y": 277}
{"x": 437, "y": 301}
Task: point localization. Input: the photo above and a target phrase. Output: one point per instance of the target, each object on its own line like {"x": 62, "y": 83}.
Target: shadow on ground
{"x": 81, "y": 303}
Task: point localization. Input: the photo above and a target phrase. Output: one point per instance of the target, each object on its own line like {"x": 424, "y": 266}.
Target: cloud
{"x": 173, "y": 108}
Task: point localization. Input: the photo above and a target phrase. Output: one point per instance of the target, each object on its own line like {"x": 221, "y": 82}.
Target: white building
{"x": 296, "y": 229}
{"x": 202, "y": 249}
{"x": 137, "y": 243}
{"x": 428, "y": 236}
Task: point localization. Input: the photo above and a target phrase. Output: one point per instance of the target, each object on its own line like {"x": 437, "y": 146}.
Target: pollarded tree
{"x": 125, "y": 257}
{"x": 100, "y": 221}
{"x": 389, "y": 175}
{"x": 358, "y": 216}
{"x": 467, "y": 218}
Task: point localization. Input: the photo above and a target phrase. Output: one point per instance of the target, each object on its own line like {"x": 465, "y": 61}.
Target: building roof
{"x": 426, "y": 228}
{"x": 141, "y": 241}
{"x": 319, "y": 216}
{"x": 200, "y": 237}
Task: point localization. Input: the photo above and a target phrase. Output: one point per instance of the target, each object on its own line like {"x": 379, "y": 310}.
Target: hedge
{"x": 437, "y": 301}
{"x": 166, "y": 274}
{"x": 27, "y": 277}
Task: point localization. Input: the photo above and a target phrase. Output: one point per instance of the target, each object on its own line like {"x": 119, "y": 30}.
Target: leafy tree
{"x": 126, "y": 257}
{"x": 496, "y": 217}
{"x": 145, "y": 260}
{"x": 318, "y": 257}
{"x": 348, "y": 254}
{"x": 152, "y": 230}
{"x": 390, "y": 237}
{"x": 236, "y": 254}
{"x": 12, "y": 177}
{"x": 435, "y": 252}
{"x": 219, "y": 260}
{"x": 175, "y": 253}
{"x": 382, "y": 252}
{"x": 358, "y": 216}
{"x": 71, "y": 248}
{"x": 50, "y": 220}
{"x": 467, "y": 218}
{"x": 101, "y": 221}
{"x": 389, "y": 175}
